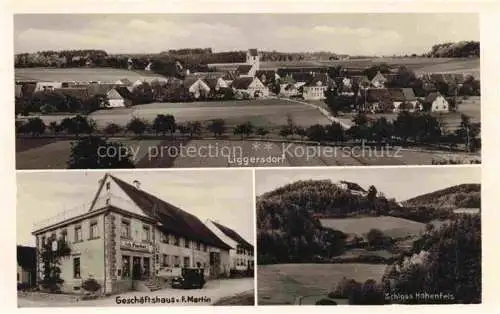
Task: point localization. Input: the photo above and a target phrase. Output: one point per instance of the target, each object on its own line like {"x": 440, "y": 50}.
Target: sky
{"x": 401, "y": 183}
{"x": 343, "y": 33}
{"x": 224, "y": 196}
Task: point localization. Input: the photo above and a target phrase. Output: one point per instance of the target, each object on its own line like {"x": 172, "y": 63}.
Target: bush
{"x": 47, "y": 108}
{"x": 91, "y": 285}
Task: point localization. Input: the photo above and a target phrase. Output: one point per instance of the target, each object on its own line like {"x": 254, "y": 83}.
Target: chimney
{"x": 137, "y": 184}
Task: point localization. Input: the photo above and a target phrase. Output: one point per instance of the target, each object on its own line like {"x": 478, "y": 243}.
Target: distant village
{"x": 380, "y": 88}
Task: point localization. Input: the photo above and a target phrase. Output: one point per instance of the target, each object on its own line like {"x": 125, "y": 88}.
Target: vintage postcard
{"x": 135, "y": 238}
{"x": 207, "y": 90}
{"x": 366, "y": 236}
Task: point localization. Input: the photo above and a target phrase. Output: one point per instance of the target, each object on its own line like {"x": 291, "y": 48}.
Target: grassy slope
{"x": 448, "y": 197}
{"x": 392, "y": 226}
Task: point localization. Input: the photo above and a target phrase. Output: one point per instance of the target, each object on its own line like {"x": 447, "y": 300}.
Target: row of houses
{"x": 128, "y": 236}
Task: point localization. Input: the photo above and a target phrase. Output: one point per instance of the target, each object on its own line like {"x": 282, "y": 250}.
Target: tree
{"x": 285, "y": 131}
{"x": 375, "y": 238}
{"x": 300, "y": 131}
{"x": 164, "y": 123}
{"x": 112, "y": 129}
{"x": 194, "y": 128}
{"x": 382, "y": 130}
{"x": 54, "y": 127}
{"x": 183, "y": 129}
{"x": 78, "y": 125}
{"x": 262, "y": 132}
{"x": 51, "y": 252}
{"x": 372, "y": 196}
{"x": 35, "y": 126}
{"x": 136, "y": 126}
{"x": 94, "y": 152}
{"x": 316, "y": 133}
{"x": 360, "y": 119}
{"x": 468, "y": 132}
{"x": 334, "y": 132}
{"x": 217, "y": 127}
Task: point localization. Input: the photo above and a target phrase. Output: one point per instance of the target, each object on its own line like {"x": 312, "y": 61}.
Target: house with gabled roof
{"x": 197, "y": 87}
{"x": 379, "y": 80}
{"x": 404, "y": 99}
{"x": 437, "y": 102}
{"x": 251, "y": 86}
{"x": 315, "y": 89}
{"x": 241, "y": 254}
{"x": 119, "y": 96}
{"x": 128, "y": 239}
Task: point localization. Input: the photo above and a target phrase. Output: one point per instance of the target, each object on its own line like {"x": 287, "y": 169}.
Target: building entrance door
{"x": 147, "y": 267}
{"x": 136, "y": 268}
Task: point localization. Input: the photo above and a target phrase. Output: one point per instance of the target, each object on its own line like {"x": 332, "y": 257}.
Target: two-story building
{"x": 128, "y": 236}
{"x": 241, "y": 254}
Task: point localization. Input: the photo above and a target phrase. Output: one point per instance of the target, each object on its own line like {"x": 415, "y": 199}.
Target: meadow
{"x": 80, "y": 74}
{"x": 44, "y": 153}
{"x": 284, "y": 283}
{"x": 392, "y": 226}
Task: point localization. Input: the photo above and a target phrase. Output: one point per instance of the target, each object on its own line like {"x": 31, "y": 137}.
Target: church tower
{"x": 253, "y": 59}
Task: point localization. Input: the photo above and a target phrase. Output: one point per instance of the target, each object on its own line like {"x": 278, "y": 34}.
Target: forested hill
{"x": 328, "y": 198}
{"x": 461, "y": 49}
{"x": 458, "y": 196}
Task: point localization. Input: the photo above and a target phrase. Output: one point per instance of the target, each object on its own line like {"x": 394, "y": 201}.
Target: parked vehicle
{"x": 191, "y": 278}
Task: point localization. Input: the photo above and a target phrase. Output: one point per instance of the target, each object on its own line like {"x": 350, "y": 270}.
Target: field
{"x": 419, "y": 65}
{"x": 284, "y": 283}
{"x": 80, "y": 74}
{"x": 261, "y": 112}
{"x": 160, "y": 153}
{"x": 391, "y": 226}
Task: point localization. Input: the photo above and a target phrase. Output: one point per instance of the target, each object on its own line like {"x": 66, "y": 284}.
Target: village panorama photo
{"x": 92, "y": 238}
{"x": 207, "y": 90}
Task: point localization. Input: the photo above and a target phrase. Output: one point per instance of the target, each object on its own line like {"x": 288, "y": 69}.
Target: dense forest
{"x": 458, "y": 196}
{"x": 445, "y": 260}
{"x": 461, "y": 49}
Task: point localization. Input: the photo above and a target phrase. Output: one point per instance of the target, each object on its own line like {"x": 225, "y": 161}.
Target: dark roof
{"x": 99, "y": 89}
{"x": 80, "y": 93}
{"x": 173, "y": 219}
{"x": 302, "y": 77}
{"x": 432, "y": 96}
{"x": 26, "y": 257}
{"x": 353, "y": 186}
{"x": 233, "y": 235}
{"x": 189, "y": 81}
{"x": 402, "y": 94}
{"x": 244, "y": 68}
{"x": 320, "y": 78}
{"x": 269, "y": 75}
{"x": 253, "y": 52}
{"x": 124, "y": 92}
{"x": 242, "y": 82}
{"x": 230, "y": 75}
{"x": 376, "y": 94}
{"x": 211, "y": 82}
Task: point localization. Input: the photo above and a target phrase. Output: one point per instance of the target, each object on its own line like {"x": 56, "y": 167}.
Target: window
{"x": 166, "y": 260}
{"x": 64, "y": 236}
{"x": 165, "y": 238}
{"x": 186, "y": 261}
{"x": 125, "y": 229}
{"x": 43, "y": 241}
{"x": 78, "y": 234}
{"x": 94, "y": 232}
{"x": 176, "y": 261}
{"x": 76, "y": 267}
{"x": 125, "y": 266}
{"x": 198, "y": 246}
{"x": 205, "y": 247}
{"x": 177, "y": 240}
{"x": 186, "y": 243}
{"x": 146, "y": 235}
{"x": 108, "y": 186}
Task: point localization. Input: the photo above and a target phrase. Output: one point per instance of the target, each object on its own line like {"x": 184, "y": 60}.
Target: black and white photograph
{"x": 96, "y": 91}
{"x": 369, "y": 236}
{"x": 168, "y": 238}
